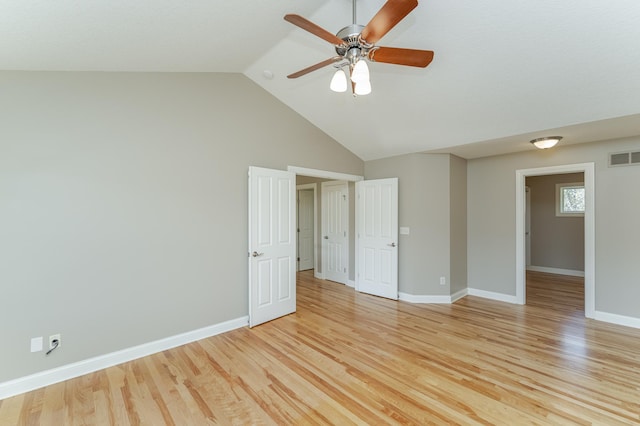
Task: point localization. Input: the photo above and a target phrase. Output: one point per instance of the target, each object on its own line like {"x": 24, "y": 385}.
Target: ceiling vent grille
{"x": 624, "y": 159}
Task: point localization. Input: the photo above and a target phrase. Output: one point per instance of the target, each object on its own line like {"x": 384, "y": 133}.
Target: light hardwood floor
{"x": 349, "y": 358}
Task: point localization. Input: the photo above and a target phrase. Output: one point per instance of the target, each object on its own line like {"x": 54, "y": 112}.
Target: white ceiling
{"x": 504, "y": 71}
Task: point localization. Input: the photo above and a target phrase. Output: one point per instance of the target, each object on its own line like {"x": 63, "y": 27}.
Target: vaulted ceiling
{"x": 504, "y": 71}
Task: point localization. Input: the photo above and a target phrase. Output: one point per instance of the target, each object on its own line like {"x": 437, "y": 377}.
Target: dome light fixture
{"x": 546, "y": 142}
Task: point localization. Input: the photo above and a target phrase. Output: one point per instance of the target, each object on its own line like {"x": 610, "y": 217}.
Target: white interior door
{"x": 272, "y": 244}
{"x": 335, "y": 217}
{"x": 377, "y": 237}
{"x": 306, "y": 240}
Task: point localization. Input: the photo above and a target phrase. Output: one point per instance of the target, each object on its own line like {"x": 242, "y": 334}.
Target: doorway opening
{"x": 587, "y": 169}
{"x": 307, "y": 178}
{"x": 307, "y": 227}
{"x": 554, "y": 239}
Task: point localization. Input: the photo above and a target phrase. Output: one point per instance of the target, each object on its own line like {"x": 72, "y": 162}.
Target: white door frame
{"x": 324, "y": 174}
{"x": 527, "y": 226}
{"x": 313, "y": 186}
{"x": 589, "y": 230}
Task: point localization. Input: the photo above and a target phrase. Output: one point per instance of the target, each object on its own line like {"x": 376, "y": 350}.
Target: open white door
{"x": 272, "y": 244}
{"x": 377, "y": 237}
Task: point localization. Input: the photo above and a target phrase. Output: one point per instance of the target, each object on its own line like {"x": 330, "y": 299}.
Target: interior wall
{"x": 458, "y": 223}
{"x": 123, "y": 213}
{"x": 556, "y": 241}
{"x": 491, "y": 221}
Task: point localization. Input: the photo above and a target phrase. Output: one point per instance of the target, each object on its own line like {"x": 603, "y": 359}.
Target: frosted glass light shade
{"x": 339, "y": 81}
{"x": 546, "y": 142}
{"x": 360, "y": 72}
{"x": 363, "y": 88}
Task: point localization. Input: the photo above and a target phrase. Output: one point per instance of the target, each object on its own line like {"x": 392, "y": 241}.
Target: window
{"x": 570, "y": 199}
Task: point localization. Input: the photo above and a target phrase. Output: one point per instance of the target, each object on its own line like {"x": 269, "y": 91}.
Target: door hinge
{"x": 298, "y": 259}
{"x": 345, "y": 270}
{"x": 345, "y": 233}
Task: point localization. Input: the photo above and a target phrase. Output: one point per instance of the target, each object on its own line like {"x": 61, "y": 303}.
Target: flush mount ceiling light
{"x": 546, "y": 142}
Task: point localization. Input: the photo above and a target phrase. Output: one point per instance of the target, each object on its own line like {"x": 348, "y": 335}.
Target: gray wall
{"x": 458, "y": 223}
{"x": 491, "y": 221}
{"x": 425, "y": 185}
{"x": 123, "y": 204}
{"x": 556, "y": 241}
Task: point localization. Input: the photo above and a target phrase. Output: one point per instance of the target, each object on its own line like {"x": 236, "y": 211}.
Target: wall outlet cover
{"x": 54, "y": 337}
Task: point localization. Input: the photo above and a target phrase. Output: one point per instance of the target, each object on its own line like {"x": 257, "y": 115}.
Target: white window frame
{"x": 559, "y": 201}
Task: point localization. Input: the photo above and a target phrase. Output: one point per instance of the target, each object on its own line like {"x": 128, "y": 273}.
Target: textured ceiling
{"x": 504, "y": 71}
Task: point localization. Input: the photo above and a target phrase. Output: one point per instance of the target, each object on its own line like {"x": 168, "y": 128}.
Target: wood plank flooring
{"x": 349, "y": 358}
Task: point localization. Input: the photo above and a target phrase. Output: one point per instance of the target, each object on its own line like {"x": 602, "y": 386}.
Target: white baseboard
{"x": 459, "y": 295}
{"x": 555, "y": 271}
{"x": 351, "y": 283}
{"x": 413, "y": 298}
{"x": 493, "y": 296}
{"x": 76, "y": 369}
{"x": 318, "y": 275}
{"x": 617, "y": 319}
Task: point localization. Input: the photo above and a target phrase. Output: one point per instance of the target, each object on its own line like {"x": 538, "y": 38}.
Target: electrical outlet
{"x": 52, "y": 338}
{"x": 443, "y": 281}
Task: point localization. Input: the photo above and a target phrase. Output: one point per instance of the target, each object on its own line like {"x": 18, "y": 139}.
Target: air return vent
{"x": 624, "y": 158}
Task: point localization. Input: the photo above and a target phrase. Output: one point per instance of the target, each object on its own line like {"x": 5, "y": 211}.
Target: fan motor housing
{"x": 351, "y": 37}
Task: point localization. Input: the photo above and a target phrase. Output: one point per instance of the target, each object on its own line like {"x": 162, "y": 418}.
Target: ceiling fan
{"x": 355, "y": 44}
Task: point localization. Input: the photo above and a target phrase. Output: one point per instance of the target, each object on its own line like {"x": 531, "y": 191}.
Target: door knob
{"x": 392, "y": 245}
{"x": 256, "y": 254}
{"x": 326, "y": 237}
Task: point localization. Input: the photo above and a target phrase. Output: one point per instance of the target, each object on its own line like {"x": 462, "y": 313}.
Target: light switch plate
{"x": 404, "y": 230}
{"x": 36, "y": 344}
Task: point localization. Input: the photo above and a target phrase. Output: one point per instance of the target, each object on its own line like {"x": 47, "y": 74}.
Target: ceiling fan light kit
{"x": 360, "y": 72}
{"x": 546, "y": 142}
{"x": 362, "y": 88}
{"x": 355, "y": 45}
{"x": 339, "y": 81}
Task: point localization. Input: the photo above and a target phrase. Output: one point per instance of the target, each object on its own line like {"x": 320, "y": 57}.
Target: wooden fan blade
{"x": 387, "y": 17}
{"x": 307, "y": 25}
{"x": 394, "y": 55}
{"x": 315, "y": 67}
